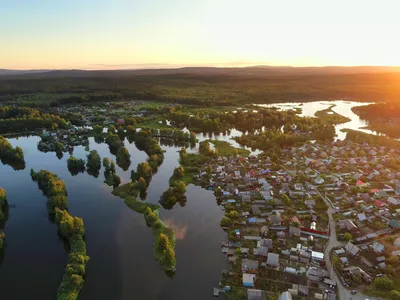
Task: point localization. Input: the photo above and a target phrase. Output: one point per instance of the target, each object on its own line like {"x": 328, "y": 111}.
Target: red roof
{"x": 374, "y": 190}
{"x": 359, "y": 182}
{"x": 378, "y": 203}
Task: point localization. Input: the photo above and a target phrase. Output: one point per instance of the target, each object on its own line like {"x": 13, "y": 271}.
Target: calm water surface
{"x": 340, "y": 106}
{"x": 118, "y": 241}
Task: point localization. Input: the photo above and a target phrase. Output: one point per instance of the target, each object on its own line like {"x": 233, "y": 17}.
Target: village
{"x": 320, "y": 222}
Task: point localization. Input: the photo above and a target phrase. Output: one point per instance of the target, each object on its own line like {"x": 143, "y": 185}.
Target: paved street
{"x": 344, "y": 294}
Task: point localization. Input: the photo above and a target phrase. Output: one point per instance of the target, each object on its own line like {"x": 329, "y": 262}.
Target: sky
{"x": 129, "y": 34}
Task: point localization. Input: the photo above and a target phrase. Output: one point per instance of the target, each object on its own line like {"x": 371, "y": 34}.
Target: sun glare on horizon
{"x": 135, "y": 34}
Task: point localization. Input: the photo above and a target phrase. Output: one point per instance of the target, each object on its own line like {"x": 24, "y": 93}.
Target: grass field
{"x": 225, "y": 149}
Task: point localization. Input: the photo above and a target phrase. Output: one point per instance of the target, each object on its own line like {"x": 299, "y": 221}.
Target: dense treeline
{"x": 361, "y": 137}
{"x": 19, "y": 119}
{"x": 52, "y": 187}
{"x": 378, "y": 111}
{"x": 11, "y": 156}
{"x": 71, "y": 229}
{"x": 248, "y": 85}
{"x": 3, "y": 209}
{"x": 299, "y": 131}
{"x": 382, "y": 117}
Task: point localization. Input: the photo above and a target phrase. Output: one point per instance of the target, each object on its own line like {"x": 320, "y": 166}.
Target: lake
{"x": 118, "y": 240}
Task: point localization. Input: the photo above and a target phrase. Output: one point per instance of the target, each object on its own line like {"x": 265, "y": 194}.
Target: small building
{"x": 377, "y": 247}
{"x": 273, "y": 260}
{"x": 296, "y": 231}
{"x": 248, "y": 280}
{"x": 249, "y": 266}
{"x": 253, "y": 294}
{"x": 285, "y": 296}
{"x": 352, "y": 249}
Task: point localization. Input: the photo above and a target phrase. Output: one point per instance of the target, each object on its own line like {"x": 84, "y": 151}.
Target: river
{"x": 308, "y": 109}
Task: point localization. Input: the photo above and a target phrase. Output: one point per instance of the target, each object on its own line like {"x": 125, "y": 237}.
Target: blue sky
{"x": 92, "y": 34}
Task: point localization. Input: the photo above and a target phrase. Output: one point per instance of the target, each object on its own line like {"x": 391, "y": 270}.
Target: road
{"x": 344, "y": 293}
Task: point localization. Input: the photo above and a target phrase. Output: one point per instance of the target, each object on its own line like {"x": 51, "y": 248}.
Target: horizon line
{"x": 131, "y": 67}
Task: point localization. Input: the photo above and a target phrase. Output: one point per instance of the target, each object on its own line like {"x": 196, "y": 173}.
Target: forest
{"x": 199, "y": 87}
{"x": 20, "y": 119}
{"x": 381, "y": 117}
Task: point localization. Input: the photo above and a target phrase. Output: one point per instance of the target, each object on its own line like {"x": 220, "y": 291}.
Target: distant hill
{"x": 20, "y": 72}
{"x": 251, "y": 71}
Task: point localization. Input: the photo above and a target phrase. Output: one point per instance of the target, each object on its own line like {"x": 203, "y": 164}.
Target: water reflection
{"x": 118, "y": 240}
{"x": 179, "y": 230}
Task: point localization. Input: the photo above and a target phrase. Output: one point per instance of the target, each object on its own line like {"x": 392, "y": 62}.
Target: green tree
{"x": 106, "y": 163}
{"x": 348, "y": 236}
{"x": 383, "y": 283}
{"x": 93, "y": 163}
{"x": 180, "y": 187}
{"x": 97, "y": 129}
{"x": 179, "y": 172}
{"x": 286, "y": 200}
{"x": 226, "y": 222}
{"x": 142, "y": 184}
{"x": 111, "y": 129}
{"x": 123, "y": 158}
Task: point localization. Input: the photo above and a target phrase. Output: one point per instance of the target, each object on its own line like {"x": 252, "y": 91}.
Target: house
{"x": 273, "y": 260}
{"x": 249, "y": 266}
{"x": 362, "y": 217}
{"x": 353, "y": 271}
{"x": 396, "y": 242}
{"x": 361, "y": 184}
{"x": 348, "y": 225}
{"x": 248, "y": 280}
{"x": 318, "y": 180}
{"x": 275, "y": 220}
{"x": 255, "y": 210}
{"x": 253, "y": 294}
{"x": 294, "y": 231}
{"x": 393, "y": 201}
{"x": 394, "y": 224}
{"x": 285, "y": 296}
{"x": 352, "y": 249}
{"x": 265, "y": 243}
{"x": 261, "y": 251}
{"x": 317, "y": 256}
{"x": 377, "y": 247}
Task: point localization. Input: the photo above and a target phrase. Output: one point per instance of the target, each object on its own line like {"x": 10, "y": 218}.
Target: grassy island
{"x": 164, "y": 237}
{"x": 225, "y": 149}
{"x": 331, "y": 117}
{"x": 71, "y": 229}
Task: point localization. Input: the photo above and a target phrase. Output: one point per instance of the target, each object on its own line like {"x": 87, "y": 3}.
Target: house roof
{"x": 362, "y": 217}
{"x": 359, "y": 183}
{"x": 394, "y": 223}
{"x": 273, "y": 259}
{"x": 249, "y": 264}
